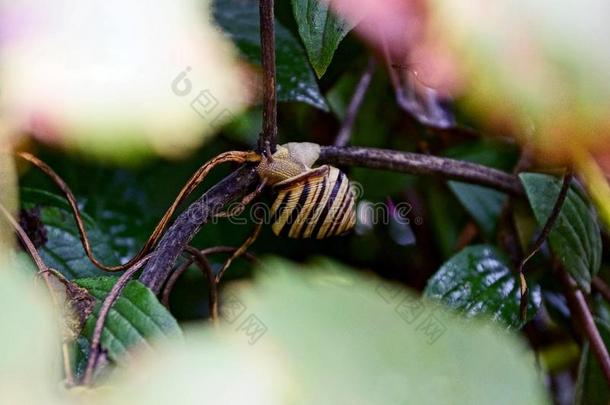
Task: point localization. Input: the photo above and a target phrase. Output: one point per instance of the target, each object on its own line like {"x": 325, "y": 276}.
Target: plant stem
{"x": 345, "y": 132}
{"x": 415, "y": 163}
{"x": 268, "y": 138}
{"x": 581, "y": 311}
{"x": 189, "y": 222}
{"x": 96, "y": 338}
{"x": 601, "y": 287}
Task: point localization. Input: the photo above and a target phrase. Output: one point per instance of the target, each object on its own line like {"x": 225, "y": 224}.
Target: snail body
{"x": 310, "y": 202}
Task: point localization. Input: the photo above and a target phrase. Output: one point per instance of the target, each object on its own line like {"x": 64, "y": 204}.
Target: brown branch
{"x": 268, "y": 138}
{"x": 581, "y": 311}
{"x": 354, "y": 106}
{"x": 601, "y": 287}
{"x": 96, "y": 338}
{"x": 414, "y": 163}
{"x": 177, "y": 237}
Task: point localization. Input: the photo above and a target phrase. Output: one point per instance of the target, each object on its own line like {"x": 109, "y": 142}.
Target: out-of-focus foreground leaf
{"x": 295, "y": 80}
{"x": 355, "y": 327}
{"x": 300, "y": 336}
{"x": 576, "y": 237}
{"x": 479, "y": 281}
{"x": 8, "y": 198}
{"x": 117, "y": 79}
{"x": 29, "y": 342}
{"x": 557, "y": 95}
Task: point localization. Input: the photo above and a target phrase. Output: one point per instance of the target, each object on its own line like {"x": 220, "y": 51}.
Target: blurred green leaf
{"x": 63, "y": 250}
{"x": 321, "y": 31}
{"x": 576, "y": 238}
{"x": 478, "y": 280}
{"x": 365, "y": 326}
{"x": 136, "y": 320}
{"x": 322, "y": 336}
{"x": 445, "y": 217}
{"x": 295, "y": 79}
{"x": 29, "y": 341}
{"x": 483, "y": 204}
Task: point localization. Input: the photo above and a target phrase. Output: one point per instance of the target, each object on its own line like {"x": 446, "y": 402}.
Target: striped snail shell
{"x": 310, "y": 203}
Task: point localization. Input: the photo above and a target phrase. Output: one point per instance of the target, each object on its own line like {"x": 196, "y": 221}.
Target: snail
{"x": 310, "y": 202}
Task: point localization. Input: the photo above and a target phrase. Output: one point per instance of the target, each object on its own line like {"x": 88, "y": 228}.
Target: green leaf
{"x": 478, "y": 280}
{"x": 136, "y": 320}
{"x": 295, "y": 79}
{"x": 63, "y": 250}
{"x": 591, "y": 386}
{"x": 483, "y": 204}
{"x": 576, "y": 238}
{"x": 321, "y": 31}
{"x": 445, "y": 218}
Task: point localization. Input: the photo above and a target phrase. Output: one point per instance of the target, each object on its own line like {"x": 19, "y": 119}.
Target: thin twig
{"x": 544, "y": 234}
{"x": 345, "y": 132}
{"x": 601, "y": 287}
{"x": 189, "y": 187}
{"x": 415, "y": 163}
{"x": 171, "y": 282}
{"x": 204, "y": 264}
{"x": 581, "y": 311}
{"x": 112, "y": 296}
{"x": 268, "y": 138}
{"x": 550, "y": 222}
{"x": 240, "y": 251}
{"x": 241, "y": 206}
{"x": 467, "y": 235}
